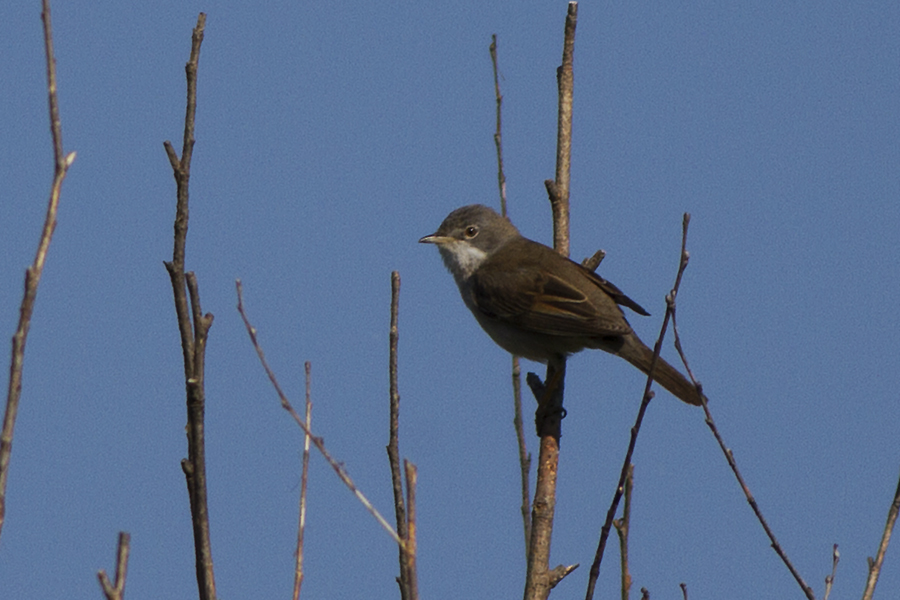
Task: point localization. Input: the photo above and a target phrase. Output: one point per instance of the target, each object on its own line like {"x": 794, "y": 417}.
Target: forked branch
{"x": 193, "y": 325}
{"x": 636, "y": 428}
{"x": 116, "y": 591}
{"x": 317, "y": 441}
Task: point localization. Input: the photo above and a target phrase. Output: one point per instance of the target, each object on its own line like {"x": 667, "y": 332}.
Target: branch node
{"x": 559, "y": 573}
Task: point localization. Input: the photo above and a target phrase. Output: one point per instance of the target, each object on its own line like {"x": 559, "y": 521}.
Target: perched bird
{"x": 537, "y": 304}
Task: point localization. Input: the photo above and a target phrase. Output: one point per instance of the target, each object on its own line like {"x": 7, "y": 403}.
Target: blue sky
{"x": 330, "y": 137}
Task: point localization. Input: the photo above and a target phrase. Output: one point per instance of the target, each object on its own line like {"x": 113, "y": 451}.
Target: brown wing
{"x": 546, "y": 293}
{"x": 617, "y": 294}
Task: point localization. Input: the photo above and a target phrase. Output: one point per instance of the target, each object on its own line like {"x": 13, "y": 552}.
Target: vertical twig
{"x": 539, "y": 579}
{"x": 829, "y": 580}
{"x": 411, "y": 478}
{"x": 558, "y": 188}
{"x": 498, "y": 134}
{"x": 393, "y": 447}
{"x": 193, "y": 338}
{"x": 117, "y": 591}
{"x": 875, "y": 565}
{"x": 518, "y": 426}
{"x": 61, "y": 164}
{"x": 524, "y": 455}
{"x": 304, "y": 479}
{"x": 622, "y": 528}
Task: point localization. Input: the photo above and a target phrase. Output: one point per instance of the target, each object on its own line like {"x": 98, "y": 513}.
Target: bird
{"x": 537, "y": 304}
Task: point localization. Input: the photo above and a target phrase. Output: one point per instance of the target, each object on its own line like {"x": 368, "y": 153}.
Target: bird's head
{"x": 468, "y": 236}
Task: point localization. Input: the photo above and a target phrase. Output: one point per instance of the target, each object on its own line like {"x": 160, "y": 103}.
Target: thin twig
{"x": 875, "y": 565}
{"x": 829, "y": 580}
{"x": 524, "y": 454}
{"x": 61, "y": 164}
{"x": 393, "y": 447}
{"x": 117, "y": 591}
{"x": 684, "y": 593}
{"x": 558, "y": 188}
{"x": 539, "y": 580}
{"x": 304, "y": 479}
{"x": 411, "y": 545}
{"x": 193, "y": 325}
{"x": 181, "y": 168}
{"x": 317, "y": 441}
{"x": 729, "y": 455}
{"x": 498, "y": 134}
{"x": 518, "y": 426}
{"x": 645, "y": 402}
{"x": 622, "y": 528}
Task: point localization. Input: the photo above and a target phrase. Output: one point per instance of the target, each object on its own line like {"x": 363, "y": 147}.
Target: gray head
{"x": 468, "y": 236}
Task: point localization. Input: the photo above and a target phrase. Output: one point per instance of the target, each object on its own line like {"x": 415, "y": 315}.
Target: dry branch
{"x": 61, "y": 164}
{"x": 411, "y": 544}
{"x": 117, "y": 591}
{"x": 729, "y": 456}
{"x": 304, "y": 479}
{"x": 622, "y": 529}
{"x": 393, "y": 447}
{"x": 317, "y": 441}
{"x": 829, "y": 580}
{"x": 518, "y": 426}
{"x": 875, "y": 564}
{"x": 539, "y": 579}
{"x": 193, "y": 325}
{"x": 645, "y": 402}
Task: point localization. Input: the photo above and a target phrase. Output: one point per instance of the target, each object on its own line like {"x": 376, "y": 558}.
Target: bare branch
{"x": 33, "y": 273}
{"x": 875, "y": 565}
{"x": 524, "y": 455}
{"x": 622, "y": 529}
{"x": 193, "y": 325}
{"x": 317, "y": 441}
{"x": 829, "y": 580}
{"x": 410, "y": 567}
{"x": 518, "y": 426}
{"x": 558, "y": 188}
{"x": 304, "y": 478}
{"x": 635, "y": 429}
{"x": 117, "y": 591}
{"x": 498, "y": 134}
{"x": 393, "y": 447}
{"x": 729, "y": 456}
{"x": 539, "y": 579}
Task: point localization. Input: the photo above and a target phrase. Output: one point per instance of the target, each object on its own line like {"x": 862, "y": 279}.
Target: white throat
{"x": 461, "y": 259}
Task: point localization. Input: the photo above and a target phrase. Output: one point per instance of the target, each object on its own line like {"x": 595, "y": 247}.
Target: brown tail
{"x": 637, "y": 353}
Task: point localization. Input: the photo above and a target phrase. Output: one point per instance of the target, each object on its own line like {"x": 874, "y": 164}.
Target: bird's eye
{"x": 471, "y": 231}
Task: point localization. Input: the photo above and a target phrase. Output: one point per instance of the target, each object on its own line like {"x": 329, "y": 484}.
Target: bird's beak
{"x": 436, "y": 239}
